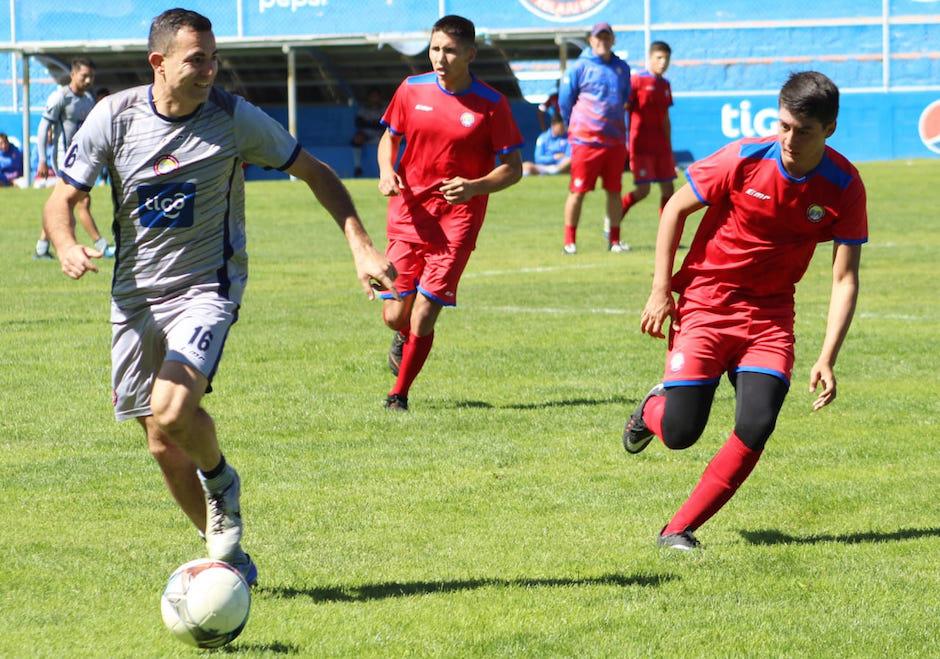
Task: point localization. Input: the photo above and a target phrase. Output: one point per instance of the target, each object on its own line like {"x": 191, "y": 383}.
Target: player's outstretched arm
{"x": 459, "y": 190}
{"x": 845, "y": 265}
{"x": 58, "y": 219}
{"x": 333, "y": 195}
{"x": 660, "y": 305}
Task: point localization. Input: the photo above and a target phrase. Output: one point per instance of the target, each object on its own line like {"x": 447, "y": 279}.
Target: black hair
{"x": 79, "y": 62}
{"x": 458, "y": 27}
{"x": 660, "y": 46}
{"x": 164, "y": 27}
{"x": 811, "y": 95}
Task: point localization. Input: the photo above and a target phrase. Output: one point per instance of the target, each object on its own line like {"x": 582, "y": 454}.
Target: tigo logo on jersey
{"x": 929, "y": 127}
{"x": 467, "y": 119}
{"x": 165, "y": 164}
{"x": 815, "y": 213}
{"x": 167, "y": 205}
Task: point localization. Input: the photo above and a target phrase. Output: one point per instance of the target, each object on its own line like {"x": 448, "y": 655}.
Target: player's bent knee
{"x": 681, "y": 433}
{"x": 755, "y": 432}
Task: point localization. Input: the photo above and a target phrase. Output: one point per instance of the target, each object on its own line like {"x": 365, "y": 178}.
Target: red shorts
{"x": 433, "y": 270}
{"x": 711, "y": 341}
{"x": 589, "y": 162}
{"x": 652, "y": 167}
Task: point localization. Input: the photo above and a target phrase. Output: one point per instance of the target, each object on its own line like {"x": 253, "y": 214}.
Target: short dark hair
{"x": 4, "y": 136}
{"x": 660, "y": 46}
{"x": 164, "y": 27}
{"x": 458, "y": 27}
{"x": 79, "y": 62}
{"x": 811, "y": 95}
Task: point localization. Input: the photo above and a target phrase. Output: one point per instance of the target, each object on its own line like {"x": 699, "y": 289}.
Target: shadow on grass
{"x": 570, "y": 402}
{"x": 273, "y": 648}
{"x": 381, "y": 591}
{"x": 775, "y": 537}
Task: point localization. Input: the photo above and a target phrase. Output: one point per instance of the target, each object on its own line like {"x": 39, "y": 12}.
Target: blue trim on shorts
{"x": 668, "y": 384}
{"x": 434, "y": 298}
{"x": 215, "y": 367}
{"x": 385, "y": 295}
{"x": 766, "y": 371}
{"x": 655, "y": 180}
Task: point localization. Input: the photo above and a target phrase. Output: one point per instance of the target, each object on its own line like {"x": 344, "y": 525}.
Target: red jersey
{"x": 762, "y": 225}
{"x": 650, "y": 100}
{"x": 446, "y": 135}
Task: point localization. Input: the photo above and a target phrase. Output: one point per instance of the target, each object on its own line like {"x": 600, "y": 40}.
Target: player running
{"x": 175, "y": 150}
{"x": 454, "y": 127}
{"x": 770, "y": 201}
{"x": 66, "y": 109}
{"x": 592, "y": 98}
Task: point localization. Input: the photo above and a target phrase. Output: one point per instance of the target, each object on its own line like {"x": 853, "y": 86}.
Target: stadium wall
{"x": 729, "y": 56}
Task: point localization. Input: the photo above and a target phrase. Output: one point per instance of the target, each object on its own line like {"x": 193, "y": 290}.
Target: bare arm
{"x": 458, "y": 190}
{"x": 58, "y": 219}
{"x": 660, "y": 304}
{"x": 390, "y": 183}
{"x": 42, "y": 169}
{"x": 332, "y": 194}
{"x": 845, "y": 264}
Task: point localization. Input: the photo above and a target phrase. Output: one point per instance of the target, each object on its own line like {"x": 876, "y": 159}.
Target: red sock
{"x": 723, "y": 476}
{"x": 626, "y": 203}
{"x": 653, "y": 413}
{"x": 413, "y": 355}
{"x": 614, "y": 235}
{"x": 570, "y": 234}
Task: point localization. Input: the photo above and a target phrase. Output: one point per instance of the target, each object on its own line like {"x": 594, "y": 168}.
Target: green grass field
{"x": 501, "y": 516}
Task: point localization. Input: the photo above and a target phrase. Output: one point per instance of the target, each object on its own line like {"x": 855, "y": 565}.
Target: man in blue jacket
{"x": 552, "y": 151}
{"x": 592, "y": 99}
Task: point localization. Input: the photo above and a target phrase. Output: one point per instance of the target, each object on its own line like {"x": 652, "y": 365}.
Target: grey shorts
{"x": 190, "y": 329}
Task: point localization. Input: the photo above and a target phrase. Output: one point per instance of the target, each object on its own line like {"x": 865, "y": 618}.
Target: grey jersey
{"x": 178, "y": 190}
{"x": 65, "y": 111}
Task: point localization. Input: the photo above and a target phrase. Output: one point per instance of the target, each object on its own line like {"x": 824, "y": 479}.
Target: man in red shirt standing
{"x": 770, "y": 201}
{"x": 651, "y": 159}
{"x": 455, "y": 127}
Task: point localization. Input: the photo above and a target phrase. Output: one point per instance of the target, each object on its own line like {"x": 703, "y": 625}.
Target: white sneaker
{"x": 618, "y": 248}
{"x": 570, "y": 248}
{"x": 223, "y": 518}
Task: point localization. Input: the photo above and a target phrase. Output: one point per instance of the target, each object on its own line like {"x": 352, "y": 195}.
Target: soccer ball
{"x": 206, "y": 603}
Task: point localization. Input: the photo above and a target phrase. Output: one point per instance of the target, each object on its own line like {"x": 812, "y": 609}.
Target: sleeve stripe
{"x": 510, "y": 149}
{"x": 293, "y": 157}
{"x": 850, "y": 241}
{"x": 75, "y": 184}
{"x": 688, "y": 176}
{"x": 390, "y": 128}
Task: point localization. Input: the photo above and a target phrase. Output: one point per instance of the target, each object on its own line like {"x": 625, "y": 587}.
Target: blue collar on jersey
{"x": 174, "y": 120}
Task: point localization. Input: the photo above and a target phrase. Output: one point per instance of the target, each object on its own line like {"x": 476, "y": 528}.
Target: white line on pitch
{"x": 548, "y": 268}
{"x": 557, "y": 310}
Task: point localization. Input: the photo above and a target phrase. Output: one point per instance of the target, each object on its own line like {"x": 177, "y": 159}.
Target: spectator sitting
{"x": 368, "y": 126}
{"x": 11, "y": 163}
{"x": 552, "y": 151}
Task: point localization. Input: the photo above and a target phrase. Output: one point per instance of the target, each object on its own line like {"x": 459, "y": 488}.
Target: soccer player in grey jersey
{"x": 174, "y": 151}
{"x": 66, "y": 109}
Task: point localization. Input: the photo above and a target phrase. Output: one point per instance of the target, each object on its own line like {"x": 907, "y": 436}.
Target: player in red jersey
{"x": 455, "y": 128}
{"x": 651, "y": 159}
{"x": 770, "y": 201}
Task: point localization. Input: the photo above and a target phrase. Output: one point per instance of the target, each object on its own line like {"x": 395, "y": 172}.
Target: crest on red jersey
{"x": 815, "y": 212}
